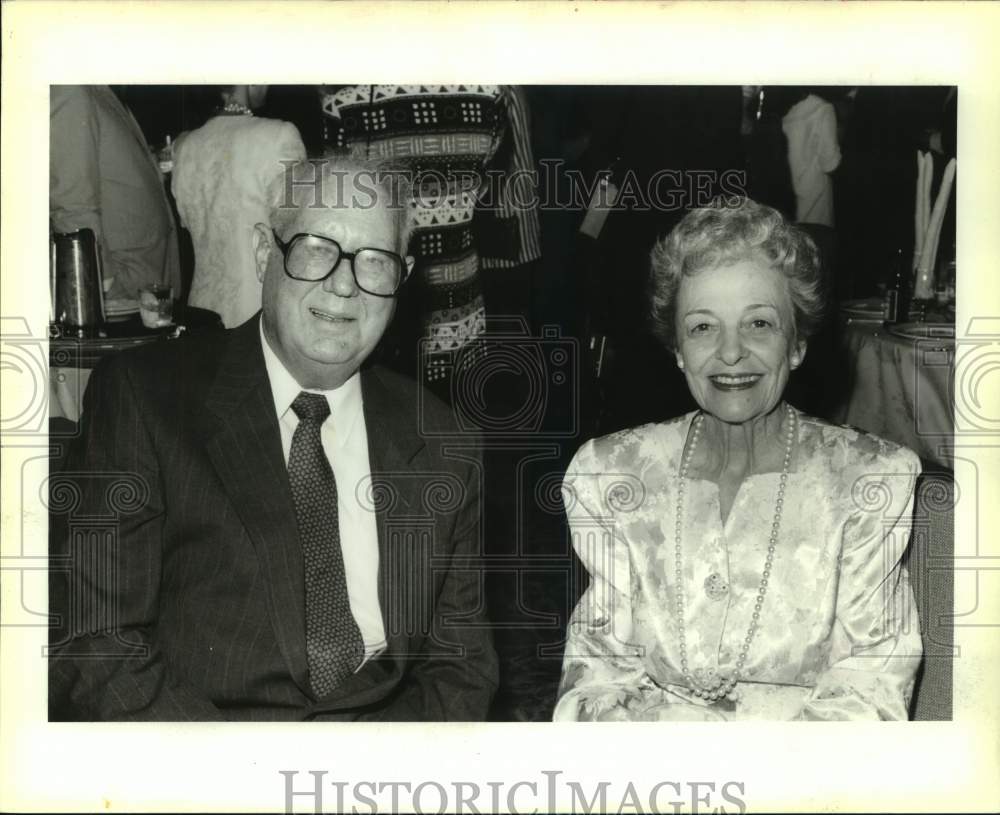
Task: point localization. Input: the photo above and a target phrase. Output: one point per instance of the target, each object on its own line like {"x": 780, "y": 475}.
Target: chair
{"x": 929, "y": 560}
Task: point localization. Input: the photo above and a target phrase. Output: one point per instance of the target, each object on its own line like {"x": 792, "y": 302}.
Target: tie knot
{"x": 311, "y": 406}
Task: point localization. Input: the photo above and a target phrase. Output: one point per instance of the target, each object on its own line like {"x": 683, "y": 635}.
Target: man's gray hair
{"x": 341, "y": 182}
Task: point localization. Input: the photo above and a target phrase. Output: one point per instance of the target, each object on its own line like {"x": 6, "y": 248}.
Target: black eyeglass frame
{"x": 284, "y": 246}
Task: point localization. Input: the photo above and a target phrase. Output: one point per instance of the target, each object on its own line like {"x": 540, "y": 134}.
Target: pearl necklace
{"x": 724, "y": 687}
{"x": 235, "y": 109}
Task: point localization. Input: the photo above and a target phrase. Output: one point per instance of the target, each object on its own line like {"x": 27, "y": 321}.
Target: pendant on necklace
{"x": 716, "y": 588}
{"x": 722, "y": 687}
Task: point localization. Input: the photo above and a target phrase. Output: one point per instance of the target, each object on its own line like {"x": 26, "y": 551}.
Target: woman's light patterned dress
{"x": 839, "y": 633}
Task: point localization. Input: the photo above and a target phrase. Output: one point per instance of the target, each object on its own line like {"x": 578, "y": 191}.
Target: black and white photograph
{"x": 719, "y": 255}
{"x": 442, "y": 417}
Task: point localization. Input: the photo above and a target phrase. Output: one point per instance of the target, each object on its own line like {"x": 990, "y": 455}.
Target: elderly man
{"x": 286, "y": 546}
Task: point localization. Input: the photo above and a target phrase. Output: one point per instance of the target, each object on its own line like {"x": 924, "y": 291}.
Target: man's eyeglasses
{"x": 313, "y": 258}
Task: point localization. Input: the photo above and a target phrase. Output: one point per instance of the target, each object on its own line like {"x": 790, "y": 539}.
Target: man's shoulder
{"x": 414, "y": 402}
{"x": 169, "y": 365}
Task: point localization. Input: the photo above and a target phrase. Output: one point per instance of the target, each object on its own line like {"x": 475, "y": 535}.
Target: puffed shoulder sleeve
{"x": 283, "y": 147}
{"x": 876, "y": 646}
{"x": 603, "y": 674}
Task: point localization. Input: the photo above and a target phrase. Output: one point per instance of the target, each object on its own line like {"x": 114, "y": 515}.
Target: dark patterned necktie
{"x": 334, "y": 646}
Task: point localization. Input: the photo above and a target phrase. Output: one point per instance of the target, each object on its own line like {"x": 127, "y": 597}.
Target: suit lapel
{"x": 244, "y": 446}
{"x": 393, "y": 444}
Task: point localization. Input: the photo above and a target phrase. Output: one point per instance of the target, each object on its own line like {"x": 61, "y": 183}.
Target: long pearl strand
{"x": 725, "y": 687}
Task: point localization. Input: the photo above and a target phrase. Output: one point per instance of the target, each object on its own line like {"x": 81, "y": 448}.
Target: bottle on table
{"x": 897, "y": 294}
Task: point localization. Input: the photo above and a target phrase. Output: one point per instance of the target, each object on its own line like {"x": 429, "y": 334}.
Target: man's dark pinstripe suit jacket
{"x": 177, "y": 570}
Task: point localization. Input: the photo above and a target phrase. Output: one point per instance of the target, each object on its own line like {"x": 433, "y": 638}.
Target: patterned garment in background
{"x": 448, "y": 136}
{"x": 838, "y": 636}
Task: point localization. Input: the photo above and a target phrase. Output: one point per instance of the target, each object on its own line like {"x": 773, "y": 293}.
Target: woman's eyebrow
{"x": 699, "y": 311}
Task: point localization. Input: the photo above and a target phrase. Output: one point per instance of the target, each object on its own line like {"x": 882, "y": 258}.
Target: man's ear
{"x": 409, "y": 260}
{"x": 798, "y": 354}
{"x": 261, "y": 248}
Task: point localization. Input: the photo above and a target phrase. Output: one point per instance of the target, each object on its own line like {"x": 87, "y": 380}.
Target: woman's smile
{"x": 734, "y": 382}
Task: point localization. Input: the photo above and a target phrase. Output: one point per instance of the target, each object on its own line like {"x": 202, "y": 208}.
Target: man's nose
{"x": 341, "y": 280}
{"x": 731, "y": 347}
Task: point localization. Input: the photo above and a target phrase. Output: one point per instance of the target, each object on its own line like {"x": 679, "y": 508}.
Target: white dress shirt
{"x": 345, "y": 441}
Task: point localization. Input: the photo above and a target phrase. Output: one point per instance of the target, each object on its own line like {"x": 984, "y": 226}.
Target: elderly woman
{"x": 745, "y": 559}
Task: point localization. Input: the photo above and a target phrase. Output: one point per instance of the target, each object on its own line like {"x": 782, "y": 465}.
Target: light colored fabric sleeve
{"x": 201, "y": 165}
{"x": 281, "y": 144}
{"x": 603, "y": 677}
{"x": 221, "y": 178}
{"x": 876, "y": 646}
{"x": 74, "y": 164}
{"x": 827, "y": 147}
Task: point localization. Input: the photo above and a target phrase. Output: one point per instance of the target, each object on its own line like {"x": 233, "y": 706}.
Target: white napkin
{"x": 925, "y": 174}
{"x": 924, "y": 286}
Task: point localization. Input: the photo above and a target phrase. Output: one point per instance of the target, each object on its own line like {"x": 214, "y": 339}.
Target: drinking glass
{"x": 156, "y": 305}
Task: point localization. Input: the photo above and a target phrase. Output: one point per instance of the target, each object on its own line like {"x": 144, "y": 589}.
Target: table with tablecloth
{"x": 900, "y": 388}
{"x": 72, "y": 360}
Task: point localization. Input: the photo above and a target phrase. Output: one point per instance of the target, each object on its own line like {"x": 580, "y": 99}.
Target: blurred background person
{"x": 103, "y": 177}
{"x": 810, "y": 126}
{"x": 220, "y": 177}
